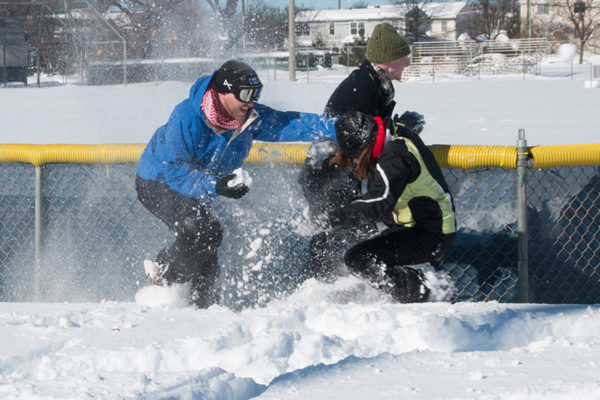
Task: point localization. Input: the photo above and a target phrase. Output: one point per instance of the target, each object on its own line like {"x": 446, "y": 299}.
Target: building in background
{"x": 14, "y": 60}
{"x": 334, "y": 28}
{"x": 576, "y": 21}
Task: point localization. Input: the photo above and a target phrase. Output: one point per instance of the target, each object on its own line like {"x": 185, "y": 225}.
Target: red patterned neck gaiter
{"x": 214, "y": 114}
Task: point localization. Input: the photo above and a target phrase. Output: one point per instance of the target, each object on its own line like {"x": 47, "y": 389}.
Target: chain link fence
{"x": 564, "y": 221}
{"x": 16, "y": 228}
{"x": 95, "y": 235}
{"x": 483, "y": 261}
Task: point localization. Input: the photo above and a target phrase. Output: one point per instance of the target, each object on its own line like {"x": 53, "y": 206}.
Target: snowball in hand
{"x": 241, "y": 176}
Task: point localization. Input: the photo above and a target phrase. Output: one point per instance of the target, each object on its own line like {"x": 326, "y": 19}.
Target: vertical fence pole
{"x": 37, "y": 232}
{"x": 523, "y": 265}
{"x": 307, "y": 68}
{"x": 4, "y": 78}
{"x": 291, "y": 42}
{"x": 124, "y": 63}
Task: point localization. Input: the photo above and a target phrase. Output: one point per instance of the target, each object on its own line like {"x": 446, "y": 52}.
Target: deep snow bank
{"x": 158, "y": 348}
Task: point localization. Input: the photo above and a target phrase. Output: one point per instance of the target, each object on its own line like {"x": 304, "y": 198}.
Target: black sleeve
{"x": 395, "y": 168}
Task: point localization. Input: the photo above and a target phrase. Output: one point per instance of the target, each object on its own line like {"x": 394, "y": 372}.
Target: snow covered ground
{"x": 324, "y": 342}
{"x": 553, "y": 108}
{"x": 337, "y": 341}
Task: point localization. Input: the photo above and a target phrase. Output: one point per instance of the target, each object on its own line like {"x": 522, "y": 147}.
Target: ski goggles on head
{"x": 246, "y": 94}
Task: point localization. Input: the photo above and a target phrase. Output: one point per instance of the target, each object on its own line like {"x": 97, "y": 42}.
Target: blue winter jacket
{"x": 189, "y": 156}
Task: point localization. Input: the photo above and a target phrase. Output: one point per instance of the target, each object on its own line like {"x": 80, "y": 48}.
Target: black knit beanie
{"x": 385, "y": 44}
{"x": 234, "y": 74}
{"x": 354, "y": 131}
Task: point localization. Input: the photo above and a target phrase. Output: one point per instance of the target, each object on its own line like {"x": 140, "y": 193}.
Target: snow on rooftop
{"x": 436, "y": 10}
{"x": 444, "y": 10}
{"x": 351, "y": 14}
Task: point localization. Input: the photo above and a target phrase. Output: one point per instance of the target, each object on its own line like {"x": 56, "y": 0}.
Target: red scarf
{"x": 213, "y": 112}
{"x": 380, "y": 142}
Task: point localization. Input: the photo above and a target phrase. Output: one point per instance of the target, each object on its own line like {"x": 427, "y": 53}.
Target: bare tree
{"x": 417, "y": 21}
{"x": 555, "y": 31}
{"x": 227, "y": 10}
{"x": 266, "y": 26}
{"x": 584, "y": 15}
{"x": 490, "y": 17}
{"x": 144, "y": 23}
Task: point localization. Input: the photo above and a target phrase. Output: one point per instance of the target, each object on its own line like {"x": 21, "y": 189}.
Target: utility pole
{"x": 579, "y": 8}
{"x": 243, "y": 27}
{"x": 594, "y": 37}
{"x": 529, "y": 19}
{"x": 291, "y": 40}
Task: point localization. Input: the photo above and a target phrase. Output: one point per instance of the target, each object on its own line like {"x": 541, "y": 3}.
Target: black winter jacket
{"x": 395, "y": 169}
{"x": 360, "y": 91}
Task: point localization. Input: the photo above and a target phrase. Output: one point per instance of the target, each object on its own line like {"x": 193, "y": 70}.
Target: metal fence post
{"x": 307, "y": 67}
{"x": 124, "y": 63}
{"x": 37, "y": 232}
{"x": 522, "y": 251}
{"x": 4, "y": 78}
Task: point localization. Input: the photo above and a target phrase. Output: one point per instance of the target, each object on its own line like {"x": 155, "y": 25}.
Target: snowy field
{"x": 555, "y": 108}
{"x": 338, "y": 341}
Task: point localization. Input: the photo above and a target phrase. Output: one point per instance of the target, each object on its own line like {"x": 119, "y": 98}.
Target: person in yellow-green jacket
{"x": 406, "y": 191}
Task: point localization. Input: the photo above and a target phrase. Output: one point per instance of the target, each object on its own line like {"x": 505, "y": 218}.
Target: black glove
{"x": 412, "y": 121}
{"x": 235, "y": 192}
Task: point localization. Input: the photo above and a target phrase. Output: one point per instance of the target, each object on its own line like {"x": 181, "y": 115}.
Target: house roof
{"x": 352, "y": 14}
{"x": 385, "y": 12}
{"x": 443, "y": 10}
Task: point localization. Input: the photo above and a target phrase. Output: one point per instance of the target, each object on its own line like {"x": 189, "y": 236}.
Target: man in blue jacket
{"x": 189, "y": 161}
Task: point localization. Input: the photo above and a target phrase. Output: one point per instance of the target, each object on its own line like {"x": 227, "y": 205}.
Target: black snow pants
{"x": 325, "y": 188}
{"x": 192, "y": 257}
{"x": 385, "y": 258}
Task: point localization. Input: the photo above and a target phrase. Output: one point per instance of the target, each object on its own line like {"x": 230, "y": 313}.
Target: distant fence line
{"x": 106, "y": 64}
{"x": 469, "y": 57}
{"x": 74, "y": 220}
{"x": 428, "y": 59}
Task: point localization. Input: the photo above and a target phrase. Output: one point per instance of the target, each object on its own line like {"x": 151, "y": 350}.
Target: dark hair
{"x": 365, "y": 162}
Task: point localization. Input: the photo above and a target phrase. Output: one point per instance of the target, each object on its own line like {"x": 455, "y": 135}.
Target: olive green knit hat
{"x": 386, "y": 44}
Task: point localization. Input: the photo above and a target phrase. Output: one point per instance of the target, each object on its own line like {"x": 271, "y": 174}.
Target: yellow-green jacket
{"x": 407, "y": 188}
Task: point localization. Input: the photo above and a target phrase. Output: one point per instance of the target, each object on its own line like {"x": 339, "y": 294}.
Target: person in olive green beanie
{"x": 387, "y": 49}
{"x": 369, "y": 90}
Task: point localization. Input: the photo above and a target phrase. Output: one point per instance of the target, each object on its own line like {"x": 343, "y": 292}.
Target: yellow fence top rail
{"x": 565, "y": 155}
{"x": 469, "y": 157}
{"x": 448, "y": 156}
{"x": 40, "y": 154}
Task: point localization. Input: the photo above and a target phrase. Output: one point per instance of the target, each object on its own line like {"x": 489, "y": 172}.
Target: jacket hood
{"x": 197, "y": 92}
